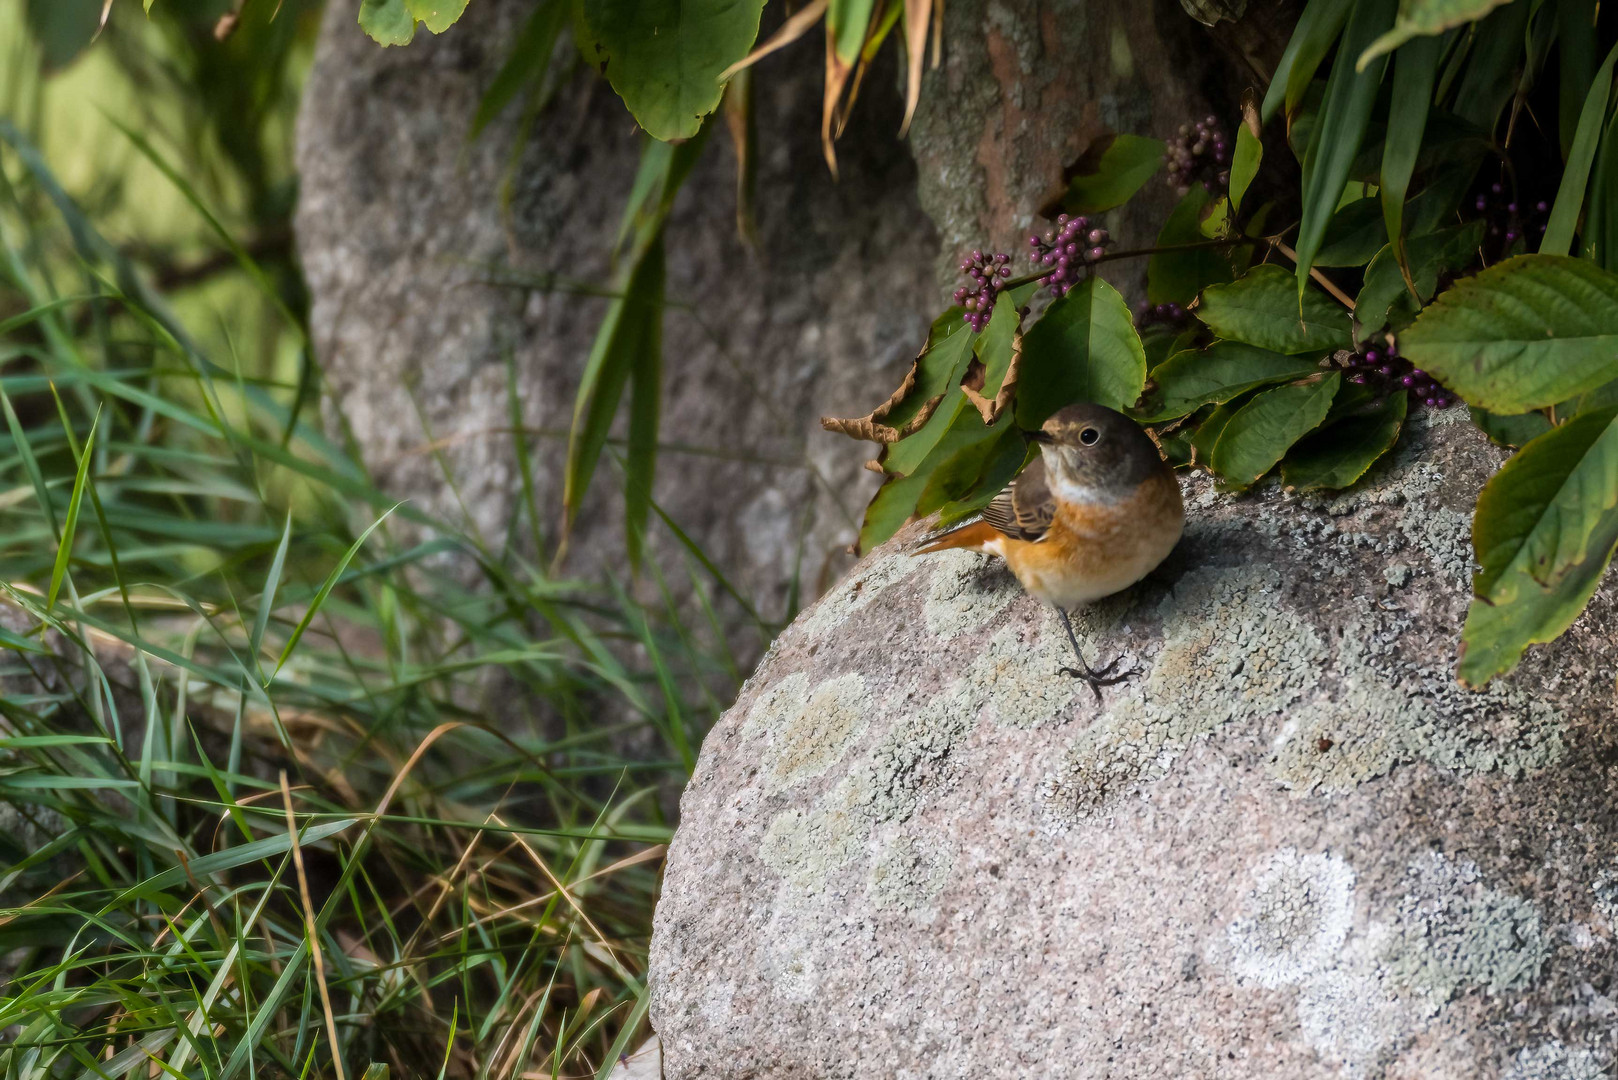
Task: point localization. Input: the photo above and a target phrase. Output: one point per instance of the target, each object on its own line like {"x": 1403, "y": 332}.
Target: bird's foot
{"x": 1095, "y": 680}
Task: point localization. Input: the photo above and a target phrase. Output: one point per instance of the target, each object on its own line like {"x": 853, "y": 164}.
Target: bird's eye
{"x": 1089, "y": 436}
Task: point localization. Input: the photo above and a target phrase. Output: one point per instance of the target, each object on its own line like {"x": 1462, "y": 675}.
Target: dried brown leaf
{"x": 790, "y": 31}
{"x": 870, "y": 426}
{"x": 972, "y": 385}
{"x": 837, "y": 72}
{"x": 918, "y": 17}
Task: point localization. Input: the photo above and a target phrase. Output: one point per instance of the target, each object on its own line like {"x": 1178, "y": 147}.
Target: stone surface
{"x": 401, "y": 224}
{"x": 1291, "y": 847}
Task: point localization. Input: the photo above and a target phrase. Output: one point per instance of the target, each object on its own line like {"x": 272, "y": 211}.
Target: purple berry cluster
{"x": 1172, "y": 316}
{"x": 1074, "y": 242}
{"x": 1509, "y": 219}
{"x": 988, "y": 273}
{"x": 1201, "y": 152}
{"x": 1381, "y": 368}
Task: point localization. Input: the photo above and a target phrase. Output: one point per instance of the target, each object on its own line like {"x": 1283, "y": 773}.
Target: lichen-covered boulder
{"x": 1292, "y": 846}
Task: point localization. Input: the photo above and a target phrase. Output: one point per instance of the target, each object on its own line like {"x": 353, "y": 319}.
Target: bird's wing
{"x": 1025, "y": 509}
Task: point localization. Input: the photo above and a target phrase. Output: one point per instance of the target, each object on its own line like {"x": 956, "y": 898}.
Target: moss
{"x": 807, "y": 846}
{"x": 810, "y": 732}
{"x": 1294, "y": 920}
{"x": 965, "y": 592}
{"x": 909, "y": 874}
{"x": 1453, "y": 932}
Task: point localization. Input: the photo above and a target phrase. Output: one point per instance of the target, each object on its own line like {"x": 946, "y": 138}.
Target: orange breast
{"x": 1094, "y": 550}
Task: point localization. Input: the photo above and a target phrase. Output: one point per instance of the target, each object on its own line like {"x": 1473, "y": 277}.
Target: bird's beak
{"x": 1037, "y": 437}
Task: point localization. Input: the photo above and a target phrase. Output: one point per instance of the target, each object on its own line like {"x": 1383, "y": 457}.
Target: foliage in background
{"x": 1451, "y": 239}
{"x": 286, "y": 793}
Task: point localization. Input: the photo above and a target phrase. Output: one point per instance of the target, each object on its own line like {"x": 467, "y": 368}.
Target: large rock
{"x": 1291, "y": 847}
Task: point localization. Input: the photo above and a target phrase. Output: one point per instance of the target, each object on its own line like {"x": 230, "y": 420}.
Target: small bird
{"x": 1093, "y": 514}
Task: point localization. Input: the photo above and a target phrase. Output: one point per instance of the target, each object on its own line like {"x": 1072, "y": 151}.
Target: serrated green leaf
{"x": 940, "y": 366}
{"x": 1426, "y": 17}
{"x": 1341, "y": 452}
{"x": 896, "y": 499}
{"x": 995, "y": 346}
{"x": 664, "y": 57}
{"x": 906, "y": 456}
{"x": 973, "y": 449}
{"x": 1224, "y": 370}
{"x": 1544, "y": 532}
{"x": 1263, "y": 430}
{"x": 1264, "y": 309}
{"x": 388, "y": 22}
{"x": 1523, "y": 334}
{"x": 1244, "y": 163}
{"x": 1176, "y": 277}
{"x": 1084, "y": 349}
{"x": 436, "y": 15}
{"x": 1213, "y": 426}
{"x": 1564, "y": 219}
{"x": 1110, "y": 171}
{"x": 1540, "y": 510}
{"x": 1335, "y": 139}
{"x": 1427, "y": 256}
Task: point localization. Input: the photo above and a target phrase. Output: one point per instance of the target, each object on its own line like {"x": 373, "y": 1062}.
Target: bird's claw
{"x": 1095, "y": 680}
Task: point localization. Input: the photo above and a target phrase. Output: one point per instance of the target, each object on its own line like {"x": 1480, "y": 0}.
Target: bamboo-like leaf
{"x": 1600, "y": 234}
{"x": 1576, "y": 46}
{"x": 1558, "y": 238}
{"x": 527, "y": 63}
{"x": 645, "y": 405}
{"x": 1335, "y": 139}
{"x": 1311, "y": 40}
{"x": 1414, "y": 69}
{"x": 266, "y": 600}
{"x": 1418, "y": 18}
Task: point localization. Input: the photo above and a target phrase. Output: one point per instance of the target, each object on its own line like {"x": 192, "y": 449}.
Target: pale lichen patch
{"x": 909, "y": 874}
{"x": 1019, "y": 675}
{"x": 1452, "y": 931}
{"x": 1295, "y": 918}
{"x": 1555, "y": 1060}
{"x": 966, "y": 590}
{"x": 863, "y": 585}
{"x": 918, "y": 755}
{"x": 807, "y": 846}
{"x": 810, "y": 732}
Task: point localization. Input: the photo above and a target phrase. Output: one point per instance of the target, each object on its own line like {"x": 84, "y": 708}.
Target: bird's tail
{"x": 971, "y": 536}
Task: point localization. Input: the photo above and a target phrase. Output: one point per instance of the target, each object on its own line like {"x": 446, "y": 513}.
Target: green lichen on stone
{"x": 1230, "y": 650}
{"x": 1454, "y": 932}
{"x": 1019, "y": 676}
{"x": 863, "y": 585}
{"x": 807, "y": 846}
{"x": 1555, "y": 1060}
{"x": 909, "y": 874}
{"x": 918, "y": 756}
{"x": 809, "y": 732}
{"x": 965, "y": 592}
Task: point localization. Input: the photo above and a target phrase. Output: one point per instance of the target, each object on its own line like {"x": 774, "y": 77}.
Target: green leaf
{"x": 996, "y": 345}
{"x": 1213, "y": 426}
{"x": 847, "y": 22}
{"x": 1425, "y": 18}
{"x": 1339, "y": 453}
{"x": 664, "y": 57}
{"x": 1354, "y": 235}
{"x": 1262, "y": 431}
{"x": 389, "y": 22}
{"x": 1335, "y": 139}
{"x": 437, "y": 15}
{"x": 1244, "y": 163}
{"x": 1600, "y": 234}
{"x": 530, "y": 58}
{"x": 1541, "y": 509}
{"x": 1264, "y": 309}
{"x": 1008, "y": 457}
{"x": 324, "y": 591}
{"x": 1494, "y": 57}
{"x": 1386, "y": 294}
{"x": 63, "y": 28}
{"x": 958, "y": 472}
{"x": 1084, "y": 349}
{"x": 1110, "y": 171}
{"x": 1226, "y": 369}
{"x": 1545, "y": 529}
{"x": 1558, "y": 238}
{"x": 1414, "y": 70}
{"x": 1576, "y": 44}
{"x": 1311, "y": 40}
{"x": 1523, "y": 334}
{"x": 645, "y": 404}
{"x": 64, "y": 547}
{"x": 896, "y": 500}
{"x": 1176, "y": 277}
{"x": 941, "y": 366}
{"x": 1511, "y": 430}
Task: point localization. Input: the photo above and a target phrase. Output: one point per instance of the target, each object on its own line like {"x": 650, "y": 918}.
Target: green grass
{"x": 299, "y": 779}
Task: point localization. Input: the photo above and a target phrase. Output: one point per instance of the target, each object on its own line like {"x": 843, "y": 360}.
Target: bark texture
{"x": 1290, "y": 847}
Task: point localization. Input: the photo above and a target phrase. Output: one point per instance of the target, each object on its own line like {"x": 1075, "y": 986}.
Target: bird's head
{"x": 1093, "y": 454}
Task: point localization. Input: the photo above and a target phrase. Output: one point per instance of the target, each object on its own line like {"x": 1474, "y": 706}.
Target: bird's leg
{"x": 1095, "y": 679}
